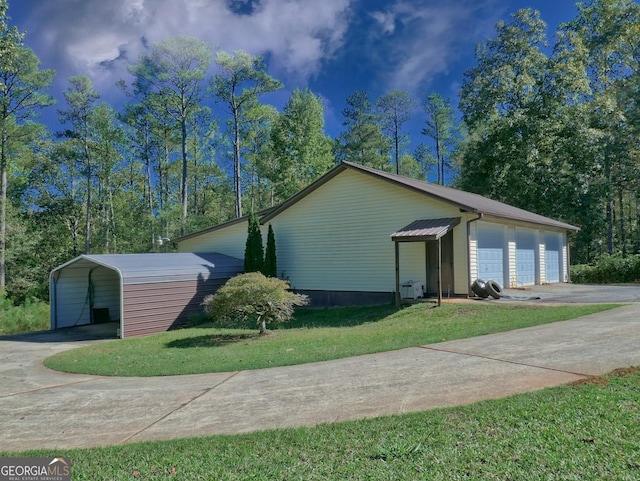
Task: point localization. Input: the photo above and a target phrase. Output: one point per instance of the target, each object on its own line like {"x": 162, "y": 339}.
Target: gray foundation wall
{"x": 347, "y": 298}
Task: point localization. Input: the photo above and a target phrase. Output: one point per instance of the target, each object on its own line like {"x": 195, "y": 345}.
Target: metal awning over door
{"x": 426, "y": 230}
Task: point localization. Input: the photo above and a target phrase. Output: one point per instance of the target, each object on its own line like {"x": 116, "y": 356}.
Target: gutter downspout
{"x": 122, "y": 333}
{"x": 568, "y": 276}
{"x": 480, "y": 215}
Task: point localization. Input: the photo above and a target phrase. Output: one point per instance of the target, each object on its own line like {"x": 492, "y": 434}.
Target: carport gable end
{"x": 145, "y": 293}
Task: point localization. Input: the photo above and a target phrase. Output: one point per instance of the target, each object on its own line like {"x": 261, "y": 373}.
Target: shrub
{"x": 253, "y": 254}
{"x": 270, "y": 268}
{"x": 252, "y": 297}
{"x": 608, "y": 269}
{"x": 33, "y": 315}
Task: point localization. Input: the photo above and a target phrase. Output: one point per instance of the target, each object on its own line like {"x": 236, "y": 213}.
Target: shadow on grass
{"x": 308, "y": 318}
{"x": 216, "y": 340}
{"x": 337, "y": 316}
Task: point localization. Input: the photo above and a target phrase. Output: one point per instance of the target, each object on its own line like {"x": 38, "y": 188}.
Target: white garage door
{"x": 491, "y": 250}
{"x": 525, "y": 257}
{"x": 552, "y": 256}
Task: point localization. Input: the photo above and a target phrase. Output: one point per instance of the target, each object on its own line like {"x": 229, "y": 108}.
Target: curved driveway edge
{"x": 40, "y": 408}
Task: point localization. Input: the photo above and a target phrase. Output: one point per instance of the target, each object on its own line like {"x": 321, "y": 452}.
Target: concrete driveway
{"x": 40, "y": 408}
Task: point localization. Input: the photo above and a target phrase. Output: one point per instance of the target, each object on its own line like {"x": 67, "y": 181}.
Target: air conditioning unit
{"x": 411, "y": 290}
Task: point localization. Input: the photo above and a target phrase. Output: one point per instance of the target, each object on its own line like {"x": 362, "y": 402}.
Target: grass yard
{"x": 315, "y": 335}
{"x": 585, "y": 431}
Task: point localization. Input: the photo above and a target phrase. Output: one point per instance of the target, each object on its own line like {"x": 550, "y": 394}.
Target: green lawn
{"x": 315, "y": 335}
{"x": 589, "y": 431}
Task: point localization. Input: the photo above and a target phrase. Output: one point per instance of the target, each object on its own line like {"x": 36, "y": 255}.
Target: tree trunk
{"x": 87, "y": 223}
{"x": 397, "y": 141}
{"x": 149, "y": 186}
{"x": 183, "y": 186}
{"x": 236, "y": 162}
{"x": 3, "y": 209}
{"x": 620, "y": 215}
{"x": 263, "y": 327}
{"x": 194, "y": 178}
{"x": 111, "y": 210}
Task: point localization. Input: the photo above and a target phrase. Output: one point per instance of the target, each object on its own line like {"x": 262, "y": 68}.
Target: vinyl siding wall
{"x": 229, "y": 240}
{"x": 338, "y": 238}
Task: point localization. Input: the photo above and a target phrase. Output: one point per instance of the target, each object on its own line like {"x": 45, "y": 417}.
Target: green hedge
{"x": 609, "y": 269}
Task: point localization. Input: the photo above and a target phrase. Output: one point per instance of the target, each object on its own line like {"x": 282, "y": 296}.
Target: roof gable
{"x": 465, "y": 201}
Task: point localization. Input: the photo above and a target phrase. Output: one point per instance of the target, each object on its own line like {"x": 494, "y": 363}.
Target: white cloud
{"x": 99, "y": 37}
{"x": 425, "y": 38}
{"x": 387, "y": 21}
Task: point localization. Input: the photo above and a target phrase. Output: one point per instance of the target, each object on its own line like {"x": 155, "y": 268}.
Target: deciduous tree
{"x": 511, "y": 123}
{"x": 254, "y": 298}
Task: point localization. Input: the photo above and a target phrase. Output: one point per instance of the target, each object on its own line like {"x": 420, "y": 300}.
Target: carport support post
{"x": 397, "y": 248}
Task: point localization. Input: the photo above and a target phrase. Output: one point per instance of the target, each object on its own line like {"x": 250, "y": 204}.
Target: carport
{"x": 145, "y": 293}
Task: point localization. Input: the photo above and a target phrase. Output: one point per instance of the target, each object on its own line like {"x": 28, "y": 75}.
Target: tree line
{"x": 551, "y": 128}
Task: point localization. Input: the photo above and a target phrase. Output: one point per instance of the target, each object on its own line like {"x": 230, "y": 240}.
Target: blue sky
{"x": 333, "y": 46}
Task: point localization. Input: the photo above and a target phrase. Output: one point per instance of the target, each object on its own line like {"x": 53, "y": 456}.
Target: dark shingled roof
{"x": 465, "y": 201}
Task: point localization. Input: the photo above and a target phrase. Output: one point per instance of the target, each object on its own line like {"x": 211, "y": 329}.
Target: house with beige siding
{"x": 359, "y": 236}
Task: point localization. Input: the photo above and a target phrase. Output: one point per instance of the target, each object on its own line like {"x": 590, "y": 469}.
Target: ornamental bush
{"x": 253, "y": 254}
{"x": 270, "y": 267}
{"x": 253, "y": 298}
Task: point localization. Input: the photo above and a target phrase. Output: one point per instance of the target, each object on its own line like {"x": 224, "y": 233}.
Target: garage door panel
{"x": 525, "y": 257}
{"x": 526, "y": 267}
{"x": 552, "y": 257}
{"x": 491, "y": 252}
{"x": 491, "y": 264}
{"x": 552, "y": 265}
